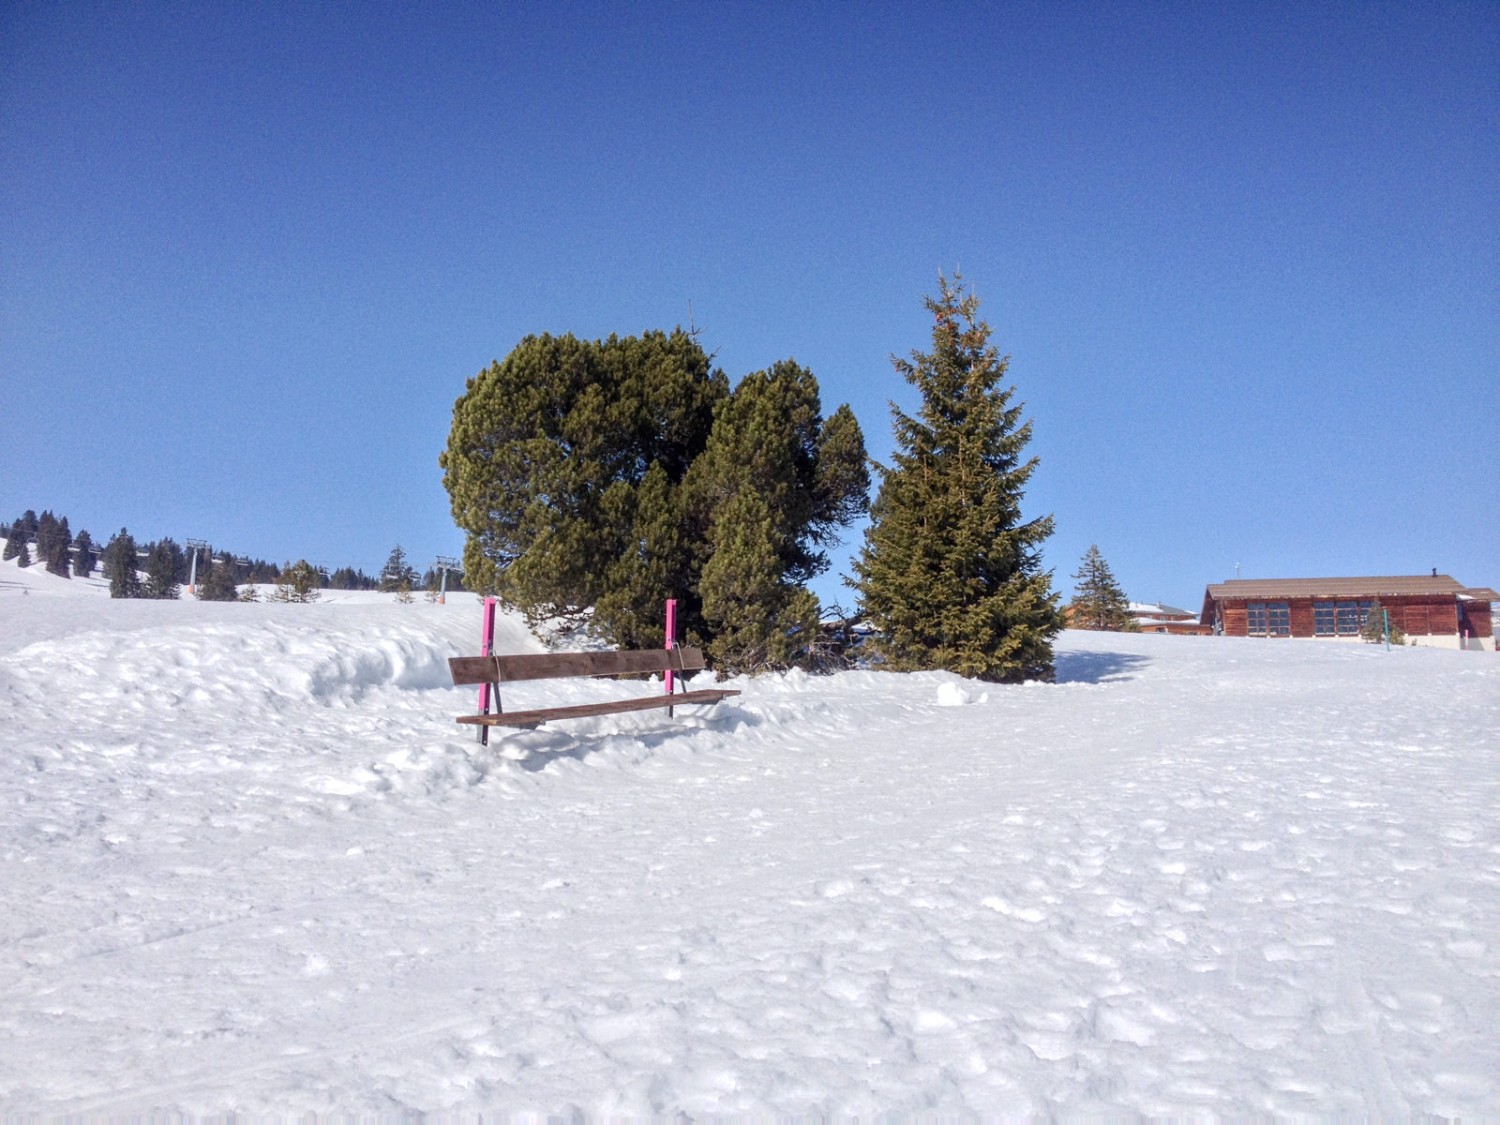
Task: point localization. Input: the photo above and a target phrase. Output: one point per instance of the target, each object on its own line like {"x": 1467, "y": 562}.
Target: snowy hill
{"x": 250, "y": 864}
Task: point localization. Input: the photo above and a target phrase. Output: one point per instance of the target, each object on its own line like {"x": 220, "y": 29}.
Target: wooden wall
{"x": 1415, "y": 615}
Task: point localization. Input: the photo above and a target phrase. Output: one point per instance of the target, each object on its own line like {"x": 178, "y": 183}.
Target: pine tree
{"x": 83, "y": 555}
{"x": 775, "y": 484}
{"x": 298, "y": 583}
{"x": 950, "y": 576}
{"x": 52, "y": 541}
{"x": 23, "y": 555}
{"x": 1373, "y": 631}
{"x": 161, "y": 571}
{"x": 397, "y": 572}
{"x": 216, "y": 581}
{"x": 57, "y": 558}
{"x": 15, "y": 535}
{"x": 1098, "y": 601}
{"x": 120, "y": 566}
{"x": 591, "y": 478}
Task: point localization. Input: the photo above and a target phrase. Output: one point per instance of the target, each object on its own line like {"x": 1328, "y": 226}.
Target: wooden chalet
{"x": 1430, "y": 609}
{"x": 1153, "y": 618}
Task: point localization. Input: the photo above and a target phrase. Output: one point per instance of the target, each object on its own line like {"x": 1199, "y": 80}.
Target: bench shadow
{"x": 1098, "y": 667}
{"x": 535, "y": 750}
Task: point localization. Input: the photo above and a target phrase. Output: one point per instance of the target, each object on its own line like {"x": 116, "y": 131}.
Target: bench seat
{"x": 585, "y": 710}
{"x": 495, "y": 670}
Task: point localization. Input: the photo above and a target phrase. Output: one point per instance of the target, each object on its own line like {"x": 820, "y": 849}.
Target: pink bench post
{"x": 486, "y": 645}
{"x": 671, "y": 678}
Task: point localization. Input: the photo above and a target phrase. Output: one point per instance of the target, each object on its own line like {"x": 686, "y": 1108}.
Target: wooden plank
{"x": 586, "y": 710}
{"x": 560, "y": 665}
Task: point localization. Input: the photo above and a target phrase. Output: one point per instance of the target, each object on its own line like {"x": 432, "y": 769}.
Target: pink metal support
{"x": 486, "y": 646}
{"x": 671, "y": 640}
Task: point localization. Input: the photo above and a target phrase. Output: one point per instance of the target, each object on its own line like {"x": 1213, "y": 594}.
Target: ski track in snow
{"x": 251, "y": 865}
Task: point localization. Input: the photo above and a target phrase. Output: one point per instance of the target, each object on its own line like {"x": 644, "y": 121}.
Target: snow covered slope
{"x": 249, "y": 863}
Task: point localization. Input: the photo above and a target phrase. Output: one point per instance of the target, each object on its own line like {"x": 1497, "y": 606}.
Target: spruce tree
{"x": 52, "y": 540}
{"x": 161, "y": 571}
{"x": 299, "y": 583}
{"x": 23, "y": 555}
{"x": 1098, "y": 600}
{"x": 950, "y": 575}
{"x": 397, "y": 571}
{"x": 120, "y": 566}
{"x": 216, "y": 581}
{"x": 1373, "y": 631}
{"x": 56, "y": 555}
{"x": 15, "y": 535}
{"x": 83, "y": 555}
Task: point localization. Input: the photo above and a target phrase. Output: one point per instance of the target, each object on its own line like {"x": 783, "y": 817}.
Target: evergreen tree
{"x": 161, "y": 571}
{"x": 299, "y": 582}
{"x": 23, "y": 555}
{"x": 347, "y": 578}
{"x": 216, "y": 580}
{"x": 546, "y": 459}
{"x": 1098, "y": 601}
{"x": 575, "y": 469}
{"x": 1373, "y": 631}
{"x": 774, "y": 485}
{"x": 83, "y": 555}
{"x": 15, "y": 535}
{"x": 120, "y": 561}
{"x": 57, "y": 558}
{"x": 397, "y": 572}
{"x": 950, "y": 576}
{"x": 52, "y": 539}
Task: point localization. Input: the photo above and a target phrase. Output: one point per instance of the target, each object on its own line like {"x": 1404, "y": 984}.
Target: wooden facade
{"x": 1429, "y": 609}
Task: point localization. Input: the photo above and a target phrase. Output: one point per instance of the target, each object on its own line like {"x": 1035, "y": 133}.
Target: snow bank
{"x": 251, "y": 865}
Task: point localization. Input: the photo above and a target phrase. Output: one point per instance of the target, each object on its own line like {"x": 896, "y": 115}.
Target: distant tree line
{"x": 160, "y": 568}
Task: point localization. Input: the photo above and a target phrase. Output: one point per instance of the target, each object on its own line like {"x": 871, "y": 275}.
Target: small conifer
{"x": 1098, "y": 600}
{"x": 951, "y": 575}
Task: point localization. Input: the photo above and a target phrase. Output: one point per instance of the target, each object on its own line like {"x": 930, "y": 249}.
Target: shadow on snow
{"x": 1097, "y": 667}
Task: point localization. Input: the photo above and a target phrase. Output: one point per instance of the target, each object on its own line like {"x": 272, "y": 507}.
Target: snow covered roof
{"x": 1153, "y": 609}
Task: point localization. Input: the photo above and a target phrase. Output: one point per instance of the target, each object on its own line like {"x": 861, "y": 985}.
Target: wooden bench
{"x": 497, "y": 670}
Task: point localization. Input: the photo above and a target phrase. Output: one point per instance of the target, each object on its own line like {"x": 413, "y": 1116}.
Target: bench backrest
{"x": 559, "y": 665}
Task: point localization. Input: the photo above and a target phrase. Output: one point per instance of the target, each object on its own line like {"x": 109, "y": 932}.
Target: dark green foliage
{"x": 52, "y": 540}
{"x": 600, "y": 478}
{"x": 161, "y": 570}
{"x": 774, "y": 485}
{"x": 120, "y": 563}
{"x": 216, "y": 580}
{"x": 950, "y": 575}
{"x": 347, "y": 578}
{"x": 15, "y": 535}
{"x": 23, "y": 554}
{"x": 397, "y": 572}
{"x": 84, "y": 556}
{"x": 1098, "y": 600}
{"x": 548, "y": 453}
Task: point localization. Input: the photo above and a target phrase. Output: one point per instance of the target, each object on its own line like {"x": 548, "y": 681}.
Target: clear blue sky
{"x": 1245, "y": 257}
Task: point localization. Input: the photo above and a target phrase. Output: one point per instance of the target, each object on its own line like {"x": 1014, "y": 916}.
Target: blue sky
{"x": 1245, "y": 258}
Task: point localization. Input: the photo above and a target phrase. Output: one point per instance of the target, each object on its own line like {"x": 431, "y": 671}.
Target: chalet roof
{"x": 1388, "y": 586}
{"x": 1155, "y": 609}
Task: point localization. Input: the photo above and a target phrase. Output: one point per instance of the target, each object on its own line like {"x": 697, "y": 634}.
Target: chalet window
{"x": 1269, "y": 619}
{"x": 1340, "y": 619}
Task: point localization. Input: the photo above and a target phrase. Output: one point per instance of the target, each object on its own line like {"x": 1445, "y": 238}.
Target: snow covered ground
{"x": 248, "y": 863}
